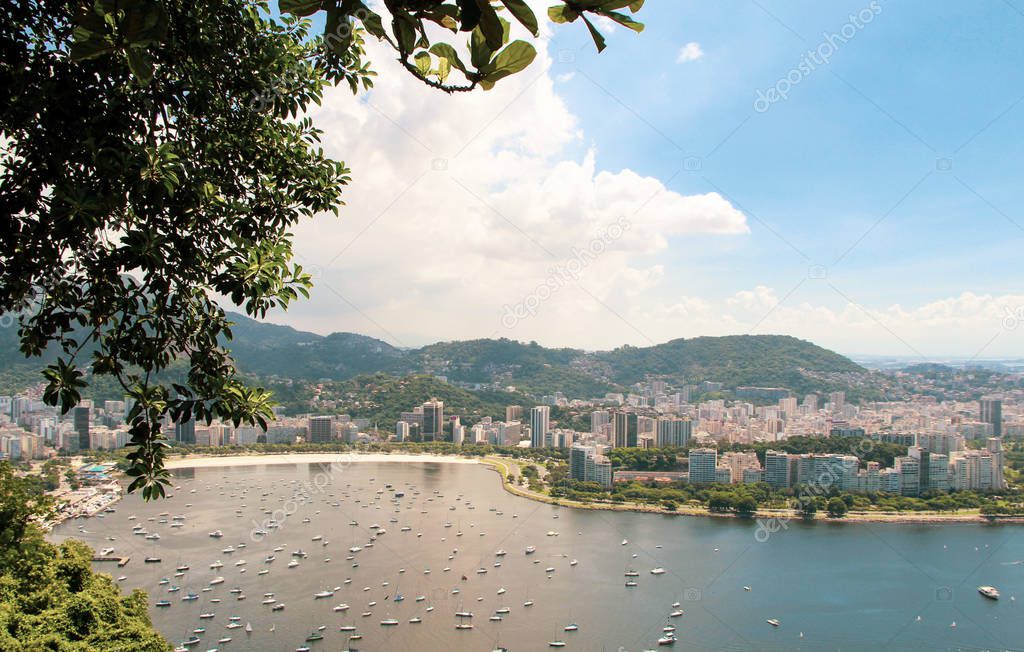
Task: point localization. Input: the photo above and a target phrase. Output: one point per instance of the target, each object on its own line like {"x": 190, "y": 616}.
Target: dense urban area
{"x": 659, "y": 444}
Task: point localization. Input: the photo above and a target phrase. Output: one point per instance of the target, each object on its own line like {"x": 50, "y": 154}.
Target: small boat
{"x": 347, "y": 628}
{"x": 293, "y": 564}
{"x": 556, "y": 643}
{"x": 152, "y": 560}
{"x": 314, "y": 636}
{"x": 199, "y": 630}
{"x": 215, "y": 565}
{"x": 531, "y": 549}
{"x": 670, "y": 639}
{"x": 625, "y": 541}
{"x": 341, "y": 607}
{"x": 163, "y": 603}
{"x": 278, "y": 607}
{"x": 189, "y": 597}
{"x": 415, "y": 619}
{"x": 216, "y": 580}
{"x": 388, "y": 622}
{"x": 630, "y": 583}
{"x": 206, "y": 616}
{"x": 224, "y": 639}
{"x": 323, "y": 594}
{"x": 658, "y": 571}
{"x": 191, "y": 640}
{"x": 574, "y": 562}
{"x": 632, "y": 573}
{"x": 528, "y": 603}
{"x": 676, "y": 614}
{"x": 182, "y": 568}
{"x": 774, "y": 622}
{"x": 216, "y": 534}
{"x": 248, "y": 628}
{"x": 990, "y": 592}
{"x": 572, "y": 627}
{"x": 464, "y": 626}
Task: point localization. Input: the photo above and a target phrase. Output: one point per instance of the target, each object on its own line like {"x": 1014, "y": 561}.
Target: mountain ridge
{"x": 734, "y": 360}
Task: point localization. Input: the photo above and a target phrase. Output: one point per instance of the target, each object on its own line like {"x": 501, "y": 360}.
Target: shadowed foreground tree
{"x": 50, "y": 599}
{"x": 154, "y": 158}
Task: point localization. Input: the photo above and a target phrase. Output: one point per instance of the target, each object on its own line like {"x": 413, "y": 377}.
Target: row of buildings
{"x": 922, "y": 469}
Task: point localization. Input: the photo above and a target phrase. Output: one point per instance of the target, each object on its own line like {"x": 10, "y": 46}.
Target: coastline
{"x": 906, "y": 518}
{"x": 261, "y": 459}
{"x": 504, "y": 468}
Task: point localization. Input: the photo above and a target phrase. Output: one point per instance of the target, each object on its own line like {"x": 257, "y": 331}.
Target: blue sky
{"x": 874, "y": 210}
{"x": 853, "y": 138}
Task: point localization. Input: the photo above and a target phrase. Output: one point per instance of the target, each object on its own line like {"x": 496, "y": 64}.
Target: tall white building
{"x": 703, "y": 462}
{"x": 540, "y": 425}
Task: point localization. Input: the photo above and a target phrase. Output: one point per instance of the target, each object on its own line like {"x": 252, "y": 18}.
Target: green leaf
{"x": 423, "y": 63}
{"x": 371, "y": 21}
{"x": 562, "y": 14}
{"x": 444, "y": 68}
{"x": 446, "y": 51}
{"x": 596, "y": 35}
{"x": 141, "y": 65}
{"x": 514, "y": 58}
{"x": 405, "y": 30}
{"x": 523, "y": 14}
{"x": 625, "y": 21}
{"x": 299, "y": 7}
{"x": 491, "y": 25}
{"x": 479, "y": 52}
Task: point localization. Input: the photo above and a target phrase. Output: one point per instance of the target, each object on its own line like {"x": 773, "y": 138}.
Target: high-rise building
{"x": 778, "y": 469}
{"x": 540, "y": 425}
{"x": 672, "y": 432}
{"x": 401, "y": 431}
{"x": 82, "y": 418}
{"x": 703, "y": 464}
{"x": 433, "y": 420}
{"x": 836, "y": 401}
{"x": 586, "y": 465}
{"x": 625, "y": 432}
{"x": 514, "y": 413}
{"x": 185, "y": 432}
{"x": 990, "y": 410}
{"x": 599, "y": 418}
{"x": 321, "y": 429}
{"x": 909, "y": 469}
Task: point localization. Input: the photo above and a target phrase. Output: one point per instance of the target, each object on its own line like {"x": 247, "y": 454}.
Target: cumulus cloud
{"x": 692, "y": 51}
{"x": 461, "y": 205}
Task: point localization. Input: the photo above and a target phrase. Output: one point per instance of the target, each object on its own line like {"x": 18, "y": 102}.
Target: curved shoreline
{"x": 906, "y": 518}
{"x": 261, "y": 459}
{"x": 503, "y": 468}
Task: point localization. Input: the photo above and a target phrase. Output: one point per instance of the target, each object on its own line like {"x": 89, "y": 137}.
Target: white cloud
{"x": 692, "y": 51}
{"x": 462, "y": 204}
{"x": 964, "y": 325}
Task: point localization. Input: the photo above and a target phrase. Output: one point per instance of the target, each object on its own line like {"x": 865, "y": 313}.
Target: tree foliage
{"x": 154, "y": 158}
{"x": 50, "y": 599}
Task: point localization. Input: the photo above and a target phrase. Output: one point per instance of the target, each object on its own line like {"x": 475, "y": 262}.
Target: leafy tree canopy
{"x": 154, "y": 157}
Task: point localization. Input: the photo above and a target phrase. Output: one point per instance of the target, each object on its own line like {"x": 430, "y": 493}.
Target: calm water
{"x": 832, "y": 587}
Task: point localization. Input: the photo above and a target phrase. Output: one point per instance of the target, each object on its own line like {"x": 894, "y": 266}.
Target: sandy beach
{"x": 214, "y": 461}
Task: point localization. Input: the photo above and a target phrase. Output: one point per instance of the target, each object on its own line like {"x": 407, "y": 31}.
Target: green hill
{"x": 528, "y": 369}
